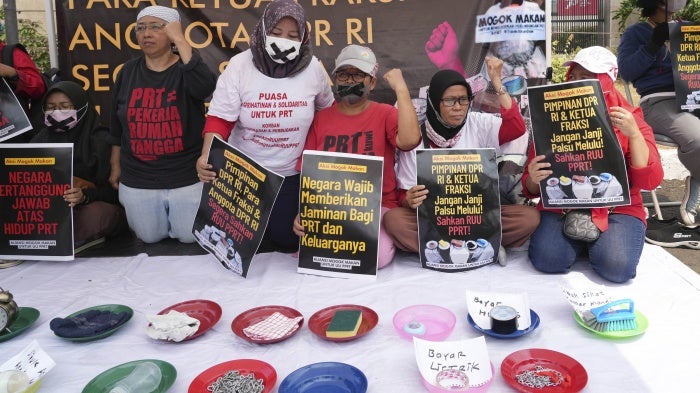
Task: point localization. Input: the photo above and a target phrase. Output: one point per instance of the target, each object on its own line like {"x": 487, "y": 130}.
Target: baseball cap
{"x": 596, "y": 59}
{"x": 359, "y": 57}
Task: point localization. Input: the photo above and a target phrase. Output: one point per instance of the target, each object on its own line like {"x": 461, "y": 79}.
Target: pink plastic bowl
{"x": 438, "y": 322}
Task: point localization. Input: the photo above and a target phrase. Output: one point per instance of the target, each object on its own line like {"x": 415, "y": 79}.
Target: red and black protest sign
{"x": 684, "y": 38}
{"x": 340, "y": 201}
{"x": 37, "y": 223}
{"x": 459, "y": 224}
{"x": 13, "y": 119}
{"x": 571, "y": 127}
{"x": 235, "y": 207}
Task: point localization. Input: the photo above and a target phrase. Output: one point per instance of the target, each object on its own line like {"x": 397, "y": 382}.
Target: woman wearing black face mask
{"x": 70, "y": 118}
{"x": 263, "y": 105}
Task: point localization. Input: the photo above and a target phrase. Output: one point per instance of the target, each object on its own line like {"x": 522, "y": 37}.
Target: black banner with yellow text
{"x": 37, "y": 223}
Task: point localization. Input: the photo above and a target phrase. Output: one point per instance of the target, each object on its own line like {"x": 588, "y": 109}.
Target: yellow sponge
{"x": 345, "y": 323}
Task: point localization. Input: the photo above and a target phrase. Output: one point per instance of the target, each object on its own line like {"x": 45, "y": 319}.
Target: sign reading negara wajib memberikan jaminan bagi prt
{"x": 340, "y": 208}
{"x": 571, "y": 128}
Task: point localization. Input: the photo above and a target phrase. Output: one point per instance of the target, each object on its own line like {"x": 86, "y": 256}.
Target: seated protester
{"x": 451, "y": 125}
{"x": 26, "y": 81}
{"x": 616, "y": 252}
{"x": 388, "y": 128}
{"x": 70, "y": 118}
{"x": 645, "y": 60}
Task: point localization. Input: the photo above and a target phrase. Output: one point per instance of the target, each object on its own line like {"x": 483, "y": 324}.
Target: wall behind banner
{"x": 97, "y": 36}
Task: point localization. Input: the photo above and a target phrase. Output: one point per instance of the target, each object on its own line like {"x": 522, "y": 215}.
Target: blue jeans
{"x": 157, "y": 214}
{"x": 614, "y": 255}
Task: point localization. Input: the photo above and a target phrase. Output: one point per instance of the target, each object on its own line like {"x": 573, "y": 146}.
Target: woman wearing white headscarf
{"x": 156, "y": 122}
{"x": 264, "y": 103}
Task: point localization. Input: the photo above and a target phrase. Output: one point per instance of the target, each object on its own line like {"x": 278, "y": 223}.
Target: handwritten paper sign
{"x": 479, "y": 305}
{"x": 582, "y": 293}
{"x": 32, "y": 360}
{"x": 468, "y": 356}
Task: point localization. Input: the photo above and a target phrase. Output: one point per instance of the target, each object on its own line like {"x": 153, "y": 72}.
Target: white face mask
{"x": 281, "y": 50}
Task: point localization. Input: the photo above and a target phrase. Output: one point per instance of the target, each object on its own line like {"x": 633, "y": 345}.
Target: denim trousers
{"x": 614, "y": 255}
{"x": 157, "y": 214}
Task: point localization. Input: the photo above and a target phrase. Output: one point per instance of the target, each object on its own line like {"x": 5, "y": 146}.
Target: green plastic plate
{"x": 26, "y": 318}
{"x": 642, "y": 325}
{"x": 106, "y": 380}
{"x": 115, "y": 308}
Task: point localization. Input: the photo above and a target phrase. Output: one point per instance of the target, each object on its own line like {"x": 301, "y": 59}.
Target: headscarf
{"x": 438, "y": 131}
{"x": 88, "y": 136}
{"x": 273, "y": 13}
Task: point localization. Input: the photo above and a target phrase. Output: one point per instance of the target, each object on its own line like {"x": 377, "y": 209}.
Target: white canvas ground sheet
{"x": 664, "y": 359}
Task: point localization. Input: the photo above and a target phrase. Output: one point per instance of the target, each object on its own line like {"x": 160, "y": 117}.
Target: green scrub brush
{"x": 612, "y": 317}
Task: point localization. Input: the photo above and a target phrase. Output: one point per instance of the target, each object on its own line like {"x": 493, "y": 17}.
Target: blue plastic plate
{"x": 325, "y": 377}
{"x": 534, "y": 323}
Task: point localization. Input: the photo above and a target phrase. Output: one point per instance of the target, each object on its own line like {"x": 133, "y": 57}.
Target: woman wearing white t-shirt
{"x": 263, "y": 105}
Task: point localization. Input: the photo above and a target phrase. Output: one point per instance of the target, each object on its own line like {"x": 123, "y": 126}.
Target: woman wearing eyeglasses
{"x": 448, "y": 126}
{"x": 69, "y": 117}
{"x": 263, "y": 105}
{"x": 369, "y": 127}
{"x": 157, "y": 117}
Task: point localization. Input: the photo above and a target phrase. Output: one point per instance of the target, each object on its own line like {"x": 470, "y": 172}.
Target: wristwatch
{"x": 502, "y": 90}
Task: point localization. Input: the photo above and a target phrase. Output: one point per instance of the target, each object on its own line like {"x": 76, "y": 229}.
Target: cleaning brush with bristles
{"x": 615, "y": 316}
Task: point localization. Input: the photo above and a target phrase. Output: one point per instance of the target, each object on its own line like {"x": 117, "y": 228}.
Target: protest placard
{"x": 571, "y": 127}
{"x": 235, "y": 207}
{"x": 340, "y": 209}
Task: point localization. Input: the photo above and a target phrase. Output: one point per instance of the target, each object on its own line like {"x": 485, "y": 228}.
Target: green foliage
{"x": 34, "y": 38}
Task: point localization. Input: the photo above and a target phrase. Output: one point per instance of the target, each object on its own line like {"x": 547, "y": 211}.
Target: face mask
{"x": 351, "y": 94}
{"x": 61, "y": 120}
{"x": 281, "y": 50}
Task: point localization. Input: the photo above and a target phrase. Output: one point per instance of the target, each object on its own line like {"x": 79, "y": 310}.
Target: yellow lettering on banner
{"x": 354, "y": 28}
{"x": 81, "y": 72}
{"x": 80, "y": 37}
{"x": 321, "y": 28}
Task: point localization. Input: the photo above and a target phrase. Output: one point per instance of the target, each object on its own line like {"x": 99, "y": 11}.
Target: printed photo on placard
{"x": 684, "y": 39}
{"x": 235, "y": 207}
{"x": 13, "y": 119}
{"x": 37, "y": 223}
{"x": 571, "y": 127}
{"x": 459, "y": 224}
{"x": 340, "y": 208}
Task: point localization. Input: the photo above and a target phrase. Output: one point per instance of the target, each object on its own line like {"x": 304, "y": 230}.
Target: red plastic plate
{"x": 207, "y": 312}
{"x": 255, "y": 315}
{"x": 258, "y": 368}
{"x": 575, "y": 376}
{"x": 322, "y": 318}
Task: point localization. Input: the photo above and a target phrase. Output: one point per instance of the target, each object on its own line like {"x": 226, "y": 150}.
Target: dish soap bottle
{"x": 144, "y": 378}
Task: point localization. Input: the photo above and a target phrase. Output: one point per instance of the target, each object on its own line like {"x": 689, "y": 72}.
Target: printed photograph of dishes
{"x": 582, "y": 187}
